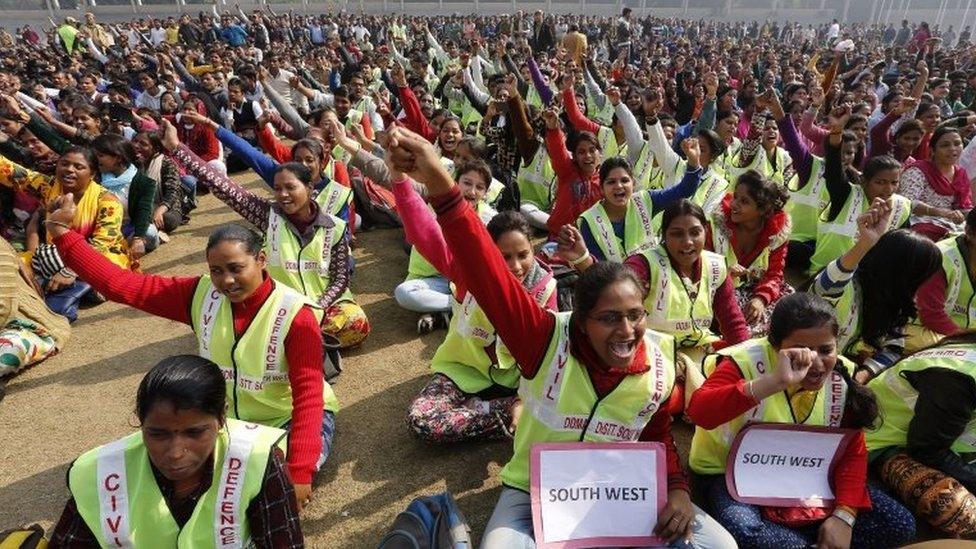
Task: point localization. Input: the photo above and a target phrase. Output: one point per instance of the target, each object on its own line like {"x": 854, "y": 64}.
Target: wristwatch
{"x": 845, "y": 516}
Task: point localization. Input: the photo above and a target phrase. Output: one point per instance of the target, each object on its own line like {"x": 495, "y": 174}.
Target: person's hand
{"x": 711, "y": 85}
{"x": 872, "y": 224}
{"x": 613, "y": 94}
{"x": 792, "y": 366}
{"x": 294, "y": 82}
{"x": 263, "y": 74}
{"x": 60, "y": 213}
{"x": 738, "y": 271}
{"x": 399, "y": 75}
{"x": 570, "y": 245}
{"x": 413, "y": 155}
{"x": 263, "y": 120}
{"x": 45, "y": 113}
{"x": 692, "y": 150}
{"x": 158, "y": 216}
{"x": 907, "y": 104}
{"x": 955, "y": 216}
{"x": 923, "y": 69}
{"x": 170, "y": 138}
{"x": 834, "y": 534}
{"x": 774, "y": 105}
{"x": 58, "y": 282}
{"x": 816, "y": 95}
{"x": 137, "y": 248}
{"x": 303, "y": 495}
{"x": 652, "y": 104}
{"x": 837, "y": 119}
{"x": 754, "y": 310}
{"x": 512, "y": 84}
{"x": 674, "y": 522}
{"x": 566, "y": 82}
{"x": 551, "y": 118}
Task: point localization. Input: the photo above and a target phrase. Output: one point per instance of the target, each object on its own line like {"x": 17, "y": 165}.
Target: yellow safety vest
{"x": 897, "y": 397}
{"x": 560, "y": 404}
{"x": 959, "y": 284}
{"x": 537, "y": 180}
{"x": 254, "y": 365}
{"x": 116, "y": 492}
{"x": 755, "y": 357}
{"x": 304, "y": 269}
{"x": 807, "y": 204}
{"x": 722, "y": 244}
{"x": 638, "y": 227}
{"x": 670, "y": 308}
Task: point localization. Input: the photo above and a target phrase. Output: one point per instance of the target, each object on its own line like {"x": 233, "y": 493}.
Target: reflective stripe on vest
{"x": 669, "y": 307}
{"x": 959, "y": 286}
{"x": 333, "y": 198}
{"x": 638, "y": 228}
{"x": 837, "y": 236}
{"x": 755, "y": 357}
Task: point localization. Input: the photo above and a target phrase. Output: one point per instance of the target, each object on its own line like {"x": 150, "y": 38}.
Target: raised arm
{"x": 255, "y": 159}
{"x": 573, "y": 112}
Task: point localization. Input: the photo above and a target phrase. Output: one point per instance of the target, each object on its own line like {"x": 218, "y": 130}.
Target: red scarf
{"x": 958, "y": 188}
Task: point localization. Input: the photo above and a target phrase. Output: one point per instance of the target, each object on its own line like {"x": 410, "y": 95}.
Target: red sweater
{"x": 723, "y": 398}
{"x": 574, "y": 195}
{"x": 524, "y": 325}
{"x": 170, "y": 297}
{"x": 414, "y": 118}
{"x": 931, "y": 298}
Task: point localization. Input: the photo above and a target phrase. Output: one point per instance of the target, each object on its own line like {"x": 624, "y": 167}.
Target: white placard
{"x": 784, "y": 465}
{"x": 597, "y": 495}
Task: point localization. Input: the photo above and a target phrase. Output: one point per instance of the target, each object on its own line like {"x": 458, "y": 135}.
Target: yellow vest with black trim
{"x": 722, "y": 245}
{"x": 118, "y": 498}
{"x": 638, "y": 227}
{"x": 254, "y": 364}
{"x": 537, "y": 180}
{"x": 835, "y": 237}
{"x": 808, "y": 203}
{"x": 669, "y": 306}
{"x": 304, "y": 269}
{"x": 560, "y": 404}
{"x": 755, "y": 357}
{"x": 897, "y": 397}
{"x": 463, "y": 355}
{"x": 959, "y": 292}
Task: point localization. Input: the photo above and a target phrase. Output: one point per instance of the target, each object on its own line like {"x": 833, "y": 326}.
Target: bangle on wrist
{"x": 580, "y": 259}
{"x": 846, "y": 516}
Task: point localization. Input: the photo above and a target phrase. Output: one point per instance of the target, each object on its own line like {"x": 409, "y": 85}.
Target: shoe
{"x": 442, "y": 320}
{"x": 425, "y": 324}
{"x": 163, "y": 237}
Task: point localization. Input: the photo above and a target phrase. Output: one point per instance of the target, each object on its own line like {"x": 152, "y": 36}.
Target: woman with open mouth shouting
{"x": 688, "y": 288}
{"x": 620, "y": 224}
{"x": 610, "y": 362}
{"x": 97, "y": 218}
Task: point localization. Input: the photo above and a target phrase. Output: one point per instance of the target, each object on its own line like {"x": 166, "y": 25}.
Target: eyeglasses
{"x": 612, "y": 318}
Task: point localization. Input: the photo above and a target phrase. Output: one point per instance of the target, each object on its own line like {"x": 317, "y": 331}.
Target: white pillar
{"x": 965, "y": 15}
{"x": 847, "y": 7}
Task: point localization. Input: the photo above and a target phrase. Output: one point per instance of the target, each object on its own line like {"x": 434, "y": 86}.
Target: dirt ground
{"x": 85, "y": 396}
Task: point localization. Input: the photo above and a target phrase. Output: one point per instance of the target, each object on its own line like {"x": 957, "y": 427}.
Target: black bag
{"x": 430, "y": 522}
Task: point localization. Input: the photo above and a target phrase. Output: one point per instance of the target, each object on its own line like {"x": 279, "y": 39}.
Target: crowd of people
{"x": 638, "y": 219}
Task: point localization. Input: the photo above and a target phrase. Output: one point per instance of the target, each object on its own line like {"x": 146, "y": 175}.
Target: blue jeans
{"x": 887, "y": 524}
{"x": 328, "y": 431}
{"x": 424, "y": 295}
{"x": 510, "y": 526}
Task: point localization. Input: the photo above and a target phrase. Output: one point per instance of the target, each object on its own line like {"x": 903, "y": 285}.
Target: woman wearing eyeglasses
{"x": 609, "y": 362}
{"x": 688, "y": 286}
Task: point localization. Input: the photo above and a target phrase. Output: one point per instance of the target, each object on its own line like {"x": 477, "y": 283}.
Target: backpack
{"x": 27, "y": 537}
{"x": 429, "y": 522}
